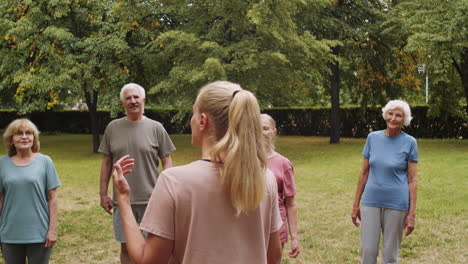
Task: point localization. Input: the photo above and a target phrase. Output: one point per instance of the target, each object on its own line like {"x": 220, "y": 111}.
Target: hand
{"x": 355, "y": 216}
{"x": 122, "y": 167}
{"x": 409, "y": 224}
{"x": 295, "y": 250}
{"x": 107, "y": 204}
{"x": 51, "y": 238}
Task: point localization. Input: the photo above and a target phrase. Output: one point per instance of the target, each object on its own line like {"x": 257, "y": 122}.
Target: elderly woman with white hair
{"x": 387, "y": 185}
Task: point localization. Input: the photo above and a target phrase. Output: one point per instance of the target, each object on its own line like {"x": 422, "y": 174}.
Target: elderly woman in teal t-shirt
{"x": 28, "y": 197}
{"x": 387, "y": 185}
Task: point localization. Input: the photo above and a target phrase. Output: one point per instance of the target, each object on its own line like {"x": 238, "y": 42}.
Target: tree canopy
{"x": 289, "y": 52}
{"x": 254, "y": 43}
{"x": 439, "y": 30}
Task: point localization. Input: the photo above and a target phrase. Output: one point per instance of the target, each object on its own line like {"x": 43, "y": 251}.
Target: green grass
{"x": 326, "y": 177}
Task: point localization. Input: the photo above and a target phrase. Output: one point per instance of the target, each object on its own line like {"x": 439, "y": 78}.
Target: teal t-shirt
{"x": 387, "y": 184}
{"x": 25, "y": 214}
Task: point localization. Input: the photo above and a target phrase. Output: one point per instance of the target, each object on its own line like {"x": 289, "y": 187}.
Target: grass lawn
{"x": 326, "y": 177}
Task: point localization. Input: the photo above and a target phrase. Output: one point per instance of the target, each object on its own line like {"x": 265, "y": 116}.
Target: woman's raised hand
{"x": 121, "y": 168}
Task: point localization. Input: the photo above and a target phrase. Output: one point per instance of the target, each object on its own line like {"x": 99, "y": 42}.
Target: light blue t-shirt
{"x": 387, "y": 184}
{"x": 25, "y": 214}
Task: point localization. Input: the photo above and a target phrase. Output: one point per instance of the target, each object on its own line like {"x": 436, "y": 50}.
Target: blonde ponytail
{"x": 239, "y": 151}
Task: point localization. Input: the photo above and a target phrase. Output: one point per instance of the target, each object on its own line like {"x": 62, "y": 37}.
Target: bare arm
{"x": 274, "y": 249}
{"x": 155, "y": 249}
{"x": 356, "y": 214}
{"x": 292, "y": 223}
{"x": 166, "y": 162}
{"x": 413, "y": 186}
{"x": 106, "y": 169}
{"x": 51, "y": 237}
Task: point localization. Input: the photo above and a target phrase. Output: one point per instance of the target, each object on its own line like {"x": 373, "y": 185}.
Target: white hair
{"x": 393, "y": 104}
{"x": 132, "y": 86}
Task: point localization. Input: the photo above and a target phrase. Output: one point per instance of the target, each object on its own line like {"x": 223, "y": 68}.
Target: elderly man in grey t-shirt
{"x": 147, "y": 142}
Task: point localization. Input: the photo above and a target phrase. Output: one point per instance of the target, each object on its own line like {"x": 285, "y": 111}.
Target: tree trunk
{"x": 464, "y": 73}
{"x": 335, "y": 99}
{"x": 462, "y": 69}
{"x": 91, "y": 101}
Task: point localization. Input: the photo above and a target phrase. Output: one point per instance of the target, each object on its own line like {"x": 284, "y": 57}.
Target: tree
{"x": 60, "y": 51}
{"x": 378, "y": 66}
{"x": 349, "y": 24}
{"x": 55, "y": 52}
{"x": 254, "y": 43}
{"x": 439, "y": 29}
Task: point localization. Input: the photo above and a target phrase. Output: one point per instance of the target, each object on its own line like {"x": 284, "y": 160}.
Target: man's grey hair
{"x": 393, "y": 104}
{"x": 132, "y": 86}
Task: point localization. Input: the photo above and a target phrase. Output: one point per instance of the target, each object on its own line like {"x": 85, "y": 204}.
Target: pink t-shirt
{"x": 284, "y": 172}
{"x": 189, "y": 206}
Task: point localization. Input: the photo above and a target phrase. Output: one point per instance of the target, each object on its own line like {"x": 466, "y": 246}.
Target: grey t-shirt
{"x": 145, "y": 141}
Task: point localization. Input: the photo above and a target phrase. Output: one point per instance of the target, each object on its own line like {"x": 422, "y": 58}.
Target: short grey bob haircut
{"x": 132, "y": 86}
{"x": 393, "y": 104}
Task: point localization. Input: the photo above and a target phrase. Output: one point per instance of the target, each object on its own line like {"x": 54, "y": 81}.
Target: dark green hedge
{"x": 356, "y": 121}
{"x": 70, "y": 121}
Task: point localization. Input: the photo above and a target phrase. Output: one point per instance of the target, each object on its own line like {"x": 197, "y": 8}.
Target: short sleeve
{"x": 159, "y": 216}
{"x": 413, "y": 154}
{"x": 366, "y": 150}
{"x": 165, "y": 143}
{"x": 52, "y": 176}
{"x": 289, "y": 187}
{"x": 104, "y": 146}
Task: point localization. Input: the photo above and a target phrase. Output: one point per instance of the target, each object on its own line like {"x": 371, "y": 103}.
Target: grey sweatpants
{"x": 36, "y": 253}
{"x": 375, "y": 220}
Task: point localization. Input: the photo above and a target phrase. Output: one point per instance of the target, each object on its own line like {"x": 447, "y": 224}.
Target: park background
{"x": 60, "y": 56}
{"x": 326, "y": 176}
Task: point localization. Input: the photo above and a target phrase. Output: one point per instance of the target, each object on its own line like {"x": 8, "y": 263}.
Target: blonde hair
{"x": 273, "y": 123}
{"x": 239, "y": 152}
{"x": 11, "y": 130}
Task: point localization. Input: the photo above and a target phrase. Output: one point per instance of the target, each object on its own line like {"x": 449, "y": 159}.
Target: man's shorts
{"x": 138, "y": 211}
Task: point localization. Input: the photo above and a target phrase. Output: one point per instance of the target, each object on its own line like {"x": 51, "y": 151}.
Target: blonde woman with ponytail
{"x": 220, "y": 209}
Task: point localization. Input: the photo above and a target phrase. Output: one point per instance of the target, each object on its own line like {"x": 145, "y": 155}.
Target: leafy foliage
{"x": 289, "y": 52}
{"x": 254, "y": 43}
{"x": 59, "y": 50}
{"x": 438, "y": 29}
